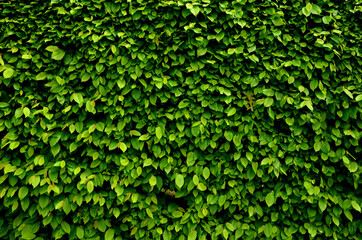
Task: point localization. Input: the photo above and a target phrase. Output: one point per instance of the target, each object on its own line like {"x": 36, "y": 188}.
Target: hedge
{"x": 180, "y": 119}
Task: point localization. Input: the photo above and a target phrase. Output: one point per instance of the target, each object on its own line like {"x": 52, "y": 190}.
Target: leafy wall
{"x": 180, "y": 119}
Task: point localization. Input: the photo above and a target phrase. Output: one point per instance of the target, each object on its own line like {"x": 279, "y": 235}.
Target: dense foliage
{"x": 180, "y": 119}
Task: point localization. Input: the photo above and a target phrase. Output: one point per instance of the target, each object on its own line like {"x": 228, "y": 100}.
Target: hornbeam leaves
{"x": 109, "y": 235}
{"x": 356, "y": 206}
{"x": 23, "y": 191}
{"x": 194, "y": 9}
{"x": 188, "y": 116}
{"x": 158, "y": 132}
{"x": 90, "y": 186}
{"x": 8, "y": 73}
{"x": 322, "y": 203}
{"x": 269, "y": 199}
{"x": 153, "y": 180}
{"x": 179, "y": 180}
{"x": 58, "y": 54}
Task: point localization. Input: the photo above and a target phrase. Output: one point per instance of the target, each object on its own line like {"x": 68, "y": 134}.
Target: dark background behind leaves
{"x": 180, "y": 119}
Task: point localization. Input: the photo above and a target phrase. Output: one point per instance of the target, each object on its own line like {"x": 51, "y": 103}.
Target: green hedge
{"x": 180, "y": 119}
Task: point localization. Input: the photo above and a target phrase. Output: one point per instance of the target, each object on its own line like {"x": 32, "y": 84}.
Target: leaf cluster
{"x": 180, "y": 119}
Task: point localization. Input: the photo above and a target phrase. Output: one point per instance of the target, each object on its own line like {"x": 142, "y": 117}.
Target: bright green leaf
{"x": 322, "y": 203}
{"x": 270, "y": 199}
{"x": 80, "y": 232}
{"x": 158, "y": 132}
{"x": 109, "y": 234}
{"x": 65, "y": 227}
{"x": 23, "y": 191}
{"x": 8, "y": 73}
{"x": 179, "y": 180}
{"x": 206, "y": 173}
{"x": 58, "y": 54}
{"x": 153, "y": 180}
{"x": 192, "y": 235}
{"x": 90, "y": 186}
{"x": 356, "y": 206}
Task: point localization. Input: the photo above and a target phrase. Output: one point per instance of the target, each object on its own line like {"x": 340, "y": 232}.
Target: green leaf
{"x": 346, "y": 204}
{"x": 113, "y": 49}
{"x": 179, "y": 180}
{"x": 325, "y": 147}
{"x": 316, "y": 9}
{"x": 195, "y": 10}
{"x": 73, "y": 146}
{"x": 326, "y": 19}
{"x": 190, "y": 160}
{"x": 43, "y": 201}
{"x": 51, "y": 48}
{"x": 313, "y": 84}
{"x": 124, "y": 162}
{"x": 195, "y": 179}
{"x": 349, "y": 94}
{"x": 192, "y": 235}
{"x": 270, "y": 199}
{"x": 309, "y": 105}
{"x": 230, "y": 226}
{"x": 109, "y": 234}
{"x": 253, "y": 58}
{"x": 268, "y": 102}
{"x": 41, "y": 76}
{"x": 8, "y": 73}
{"x": 135, "y": 133}
{"x": 58, "y": 54}
{"x": 158, "y": 132}
{"x": 317, "y": 146}
{"x": 144, "y": 137}
{"x": 90, "y": 186}
{"x": 121, "y": 83}
{"x": 18, "y": 113}
{"x": 221, "y": 200}
{"x": 3, "y": 104}
{"x": 153, "y": 181}
{"x": 206, "y": 173}
{"x": 201, "y": 51}
{"x": 25, "y": 203}
{"x": 249, "y": 156}
{"x": 78, "y": 98}
{"x": 278, "y": 21}
{"x": 177, "y": 214}
{"x": 23, "y": 191}
{"x": 268, "y": 230}
{"x": 229, "y": 136}
{"x": 26, "y": 111}
{"x": 322, "y": 203}
{"x": 359, "y": 98}
{"x": 65, "y": 227}
{"x": 352, "y": 167}
{"x": 356, "y": 206}
{"x": 348, "y": 214}
{"x": 113, "y": 145}
{"x": 80, "y": 232}
{"x": 201, "y": 186}
{"x": 309, "y": 7}
{"x": 55, "y": 149}
{"x": 123, "y": 147}
{"x": 14, "y": 145}
{"x": 184, "y": 103}
{"x": 231, "y": 111}
{"x": 167, "y": 235}
{"x": 149, "y": 213}
{"x": 28, "y": 232}
{"x": 268, "y": 92}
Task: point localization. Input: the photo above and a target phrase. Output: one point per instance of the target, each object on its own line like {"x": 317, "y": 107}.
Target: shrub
{"x": 180, "y": 119}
